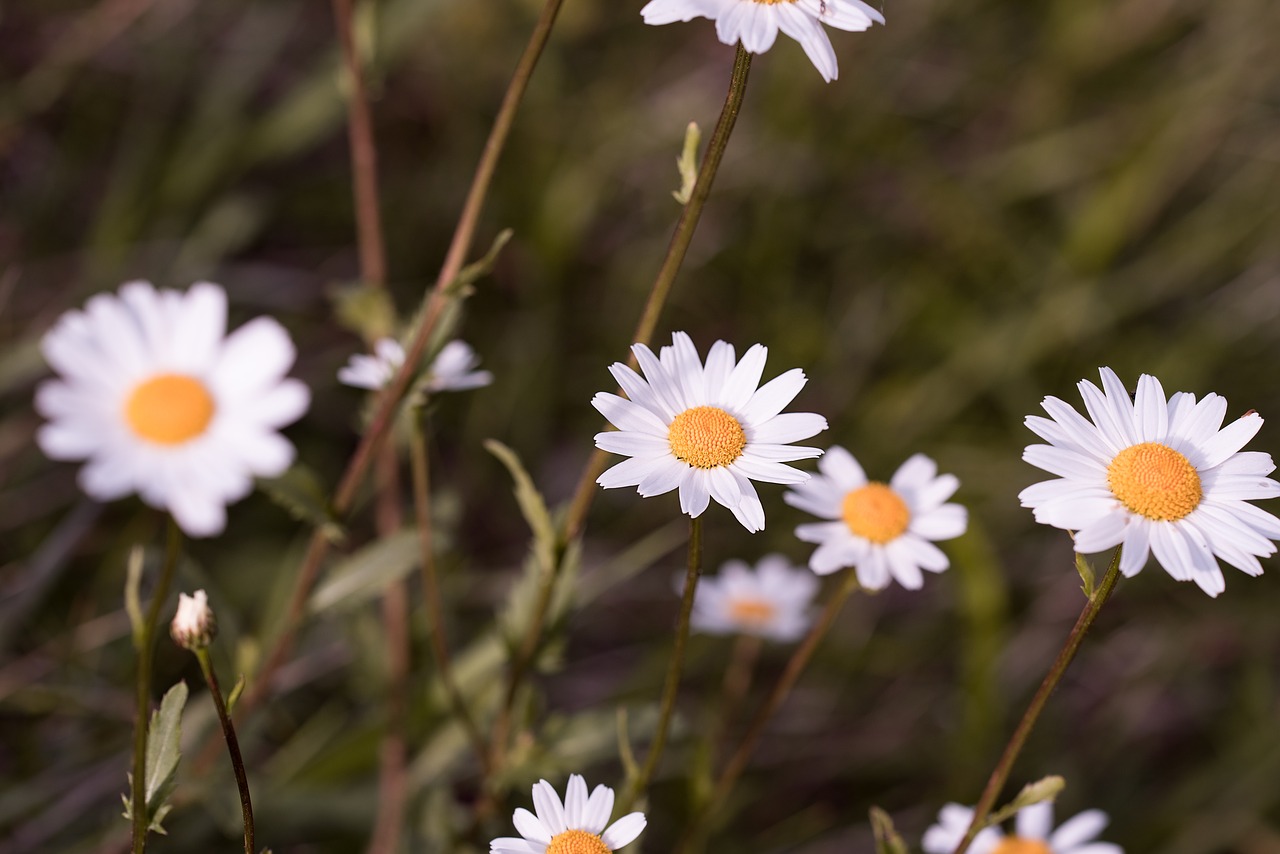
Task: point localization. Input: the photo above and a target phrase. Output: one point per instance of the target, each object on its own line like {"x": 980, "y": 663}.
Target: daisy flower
{"x": 770, "y": 601}
{"x": 453, "y": 369}
{"x": 1034, "y": 833}
{"x": 161, "y": 401}
{"x": 575, "y": 827}
{"x": 708, "y": 431}
{"x": 1155, "y": 475}
{"x": 755, "y": 23}
{"x": 882, "y": 529}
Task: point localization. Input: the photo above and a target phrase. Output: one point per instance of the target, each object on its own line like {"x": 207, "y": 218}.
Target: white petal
{"x": 624, "y": 831}
{"x": 627, "y": 415}
{"x": 547, "y": 804}
{"x": 575, "y": 802}
{"x": 1137, "y": 547}
{"x": 788, "y": 427}
{"x": 632, "y": 444}
{"x": 1151, "y": 410}
{"x": 768, "y": 472}
{"x": 663, "y": 479}
{"x": 1079, "y": 829}
{"x": 253, "y": 357}
{"x": 695, "y": 492}
{"x": 1064, "y": 463}
{"x": 631, "y": 472}
{"x": 745, "y": 378}
{"x": 528, "y": 826}
{"x": 1035, "y": 821}
{"x": 599, "y": 808}
{"x": 804, "y": 29}
{"x": 772, "y": 397}
{"x": 1105, "y": 533}
{"x": 1228, "y": 440}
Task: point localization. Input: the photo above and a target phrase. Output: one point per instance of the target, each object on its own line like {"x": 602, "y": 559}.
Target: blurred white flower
{"x": 1034, "y": 833}
{"x": 884, "y": 530}
{"x": 705, "y": 431}
{"x": 162, "y": 402}
{"x": 1155, "y": 475}
{"x": 453, "y": 368}
{"x": 575, "y": 827}
{"x": 770, "y": 601}
{"x": 194, "y": 626}
{"x": 756, "y": 23}
{"x": 373, "y": 372}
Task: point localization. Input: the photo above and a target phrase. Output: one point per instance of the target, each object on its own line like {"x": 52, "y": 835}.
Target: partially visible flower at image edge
{"x": 882, "y": 530}
{"x": 1158, "y": 476}
{"x": 1033, "y": 833}
{"x": 770, "y": 601}
{"x": 161, "y": 401}
{"x": 756, "y": 23}
{"x": 707, "y": 431}
{"x": 453, "y": 368}
{"x": 577, "y": 826}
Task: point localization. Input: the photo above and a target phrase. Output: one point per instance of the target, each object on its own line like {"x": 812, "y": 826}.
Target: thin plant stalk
{"x": 671, "y": 686}
{"x": 233, "y": 745}
{"x": 1019, "y": 738}
{"x": 144, "y": 644}
{"x": 737, "y": 681}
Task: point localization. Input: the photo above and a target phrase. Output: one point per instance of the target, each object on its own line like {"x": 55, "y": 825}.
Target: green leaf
{"x": 687, "y": 163}
{"x": 299, "y": 492}
{"x": 368, "y": 572}
{"x": 164, "y": 749}
{"x": 132, "y": 596}
{"x": 1044, "y": 789}
{"x": 532, "y": 505}
{"x": 887, "y": 839}
{"x": 366, "y": 311}
{"x": 477, "y": 270}
{"x": 1087, "y": 575}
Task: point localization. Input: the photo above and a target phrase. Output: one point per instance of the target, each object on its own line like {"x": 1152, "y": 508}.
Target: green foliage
{"x": 367, "y": 572}
{"x": 164, "y": 750}
{"x": 887, "y": 839}
{"x": 300, "y": 492}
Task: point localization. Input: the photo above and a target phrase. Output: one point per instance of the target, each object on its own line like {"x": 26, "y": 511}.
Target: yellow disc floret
{"x": 875, "y": 512}
{"x": 577, "y": 842}
{"x": 752, "y": 612}
{"x": 1018, "y": 845}
{"x": 1155, "y": 481}
{"x": 706, "y": 437}
{"x": 169, "y": 409}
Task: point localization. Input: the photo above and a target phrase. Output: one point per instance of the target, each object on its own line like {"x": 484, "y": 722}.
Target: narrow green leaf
{"x": 1044, "y": 789}
{"x": 366, "y": 311}
{"x": 687, "y": 163}
{"x": 299, "y": 492}
{"x": 368, "y": 572}
{"x": 132, "y": 596}
{"x": 887, "y": 839}
{"x": 1087, "y": 575}
{"x": 532, "y": 505}
{"x": 164, "y": 749}
{"x": 236, "y": 690}
{"x": 477, "y": 270}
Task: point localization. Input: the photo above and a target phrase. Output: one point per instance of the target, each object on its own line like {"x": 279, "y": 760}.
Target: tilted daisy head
{"x": 161, "y": 401}
{"x": 705, "y": 430}
{"x": 1034, "y": 833}
{"x": 453, "y": 369}
{"x": 373, "y": 372}
{"x": 756, "y": 23}
{"x": 575, "y": 827}
{"x": 770, "y": 601}
{"x": 882, "y": 529}
{"x": 1155, "y": 475}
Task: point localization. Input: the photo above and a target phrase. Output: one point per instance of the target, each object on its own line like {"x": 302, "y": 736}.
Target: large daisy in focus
{"x": 707, "y": 431}
{"x": 884, "y": 530}
{"x": 770, "y": 601}
{"x": 1155, "y": 475}
{"x": 756, "y": 23}
{"x": 161, "y": 401}
{"x": 575, "y": 827}
{"x": 1034, "y": 833}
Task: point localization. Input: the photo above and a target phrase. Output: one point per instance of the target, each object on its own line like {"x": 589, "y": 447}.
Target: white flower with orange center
{"x": 707, "y": 431}
{"x": 1034, "y": 833}
{"x": 756, "y": 23}
{"x": 1155, "y": 475}
{"x": 884, "y": 530}
{"x": 161, "y": 401}
{"x": 575, "y": 827}
{"x": 771, "y": 601}
{"x": 453, "y": 368}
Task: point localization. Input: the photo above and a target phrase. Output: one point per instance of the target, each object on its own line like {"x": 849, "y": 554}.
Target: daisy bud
{"x": 194, "y": 626}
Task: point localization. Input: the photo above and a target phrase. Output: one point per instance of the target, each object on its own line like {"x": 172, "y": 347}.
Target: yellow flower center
{"x": 577, "y": 842}
{"x": 1155, "y": 481}
{"x": 1018, "y": 845}
{"x": 753, "y": 612}
{"x": 169, "y": 409}
{"x": 875, "y": 512}
{"x": 706, "y": 437}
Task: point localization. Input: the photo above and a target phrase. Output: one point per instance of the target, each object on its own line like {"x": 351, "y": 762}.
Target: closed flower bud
{"x": 194, "y": 626}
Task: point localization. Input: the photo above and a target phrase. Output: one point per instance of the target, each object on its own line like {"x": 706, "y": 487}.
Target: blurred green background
{"x": 995, "y": 198}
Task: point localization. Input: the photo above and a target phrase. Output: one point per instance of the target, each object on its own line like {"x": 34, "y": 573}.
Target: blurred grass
{"x": 995, "y": 199}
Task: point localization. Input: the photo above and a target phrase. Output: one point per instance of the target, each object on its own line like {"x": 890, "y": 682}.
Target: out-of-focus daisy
{"x": 708, "y": 431}
{"x": 770, "y": 601}
{"x": 1034, "y": 833}
{"x": 1155, "y": 475}
{"x": 162, "y": 401}
{"x": 882, "y": 529}
{"x": 755, "y": 23}
{"x": 453, "y": 369}
{"x": 575, "y": 827}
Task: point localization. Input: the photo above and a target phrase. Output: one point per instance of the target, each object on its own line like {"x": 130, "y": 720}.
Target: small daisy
{"x": 162, "y": 402}
{"x": 884, "y": 530}
{"x": 194, "y": 625}
{"x": 707, "y": 431}
{"x": 453, "y": 368}
{"x": 1034, "y": 833}
{"x": 755, "y": 23}
{"x": 1155, "y": 475}
{"x": 575, "y": 827}
{"x": 768, "y": 602}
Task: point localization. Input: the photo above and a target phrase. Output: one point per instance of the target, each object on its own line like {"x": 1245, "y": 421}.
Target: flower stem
{"x": 737, "y": 680}
{"x": 145, "y": 647}
{"x": 233, "y": 745}
{"x": 1019, "y": 738}
{"x": 670, "y": 688}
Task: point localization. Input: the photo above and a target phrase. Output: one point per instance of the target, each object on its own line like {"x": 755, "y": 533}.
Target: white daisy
{"x": 770, "y": 601}
{"x": 575, "y": 827}
{"x": 373, "y": 372}
{"x": 884, "y": 530}
{"x": 162, "y": 402}
{"x": 1155, "y": 475}
{"x": 755, "y": 23}
{"x": 453, "y": 369}
{"x": 707, "y": 431}
{"x": 1034, "y": 833}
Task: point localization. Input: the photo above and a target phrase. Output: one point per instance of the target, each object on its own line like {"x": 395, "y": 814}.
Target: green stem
{"x": 145, "y": 647}
{"x": 233, "y": 745}
{"x": 1019, "y": 738}
{"x": 670, "y": 688}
